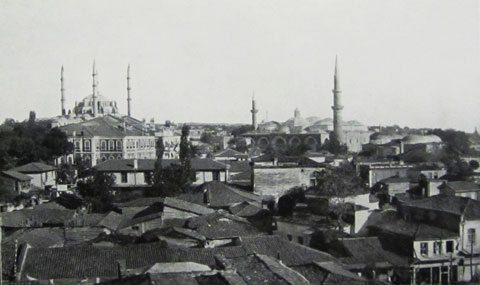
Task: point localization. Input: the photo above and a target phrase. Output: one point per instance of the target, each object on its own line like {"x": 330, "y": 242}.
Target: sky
{"x": 411, "y": 63}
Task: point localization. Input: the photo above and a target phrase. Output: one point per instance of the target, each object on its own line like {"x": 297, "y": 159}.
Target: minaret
{"x": 62, "y": 90}
{"x": 254, "y": 113}
{"x": 128, "y": 92}
{"x": 337, "y": 106}
{"x": 94, "y": 87}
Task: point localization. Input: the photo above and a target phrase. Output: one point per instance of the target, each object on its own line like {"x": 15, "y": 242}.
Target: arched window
{"x": 111, "y": 145}
{"x": 104, "y": 158}
{"x": 104, "y": 145}
{"x": 119, "y": 145}
{"x": 87, "y": 146}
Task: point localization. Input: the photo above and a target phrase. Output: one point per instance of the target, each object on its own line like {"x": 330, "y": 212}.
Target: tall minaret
{"x": 254, "y": 113}
{"x": 128, "y": 92}
{"x": 62, "y": 90}
{"x": 94, "y": 87}
{"x": 337, "y": 106}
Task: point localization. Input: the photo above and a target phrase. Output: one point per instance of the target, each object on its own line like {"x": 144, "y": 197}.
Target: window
{"x": 77, "y": 146}
{"x": 124, "y": 177}
{"x": 300, "y": 240}
{"x": 216, "y": 176}
{"x": 471, "y": 236}
{"x": 119, "y": 145}
{"x": 437, "y": 247}
{"x": 103, "y": 145}
{"x": 424, "y": 248}
{"x": 87, "y": 146}
{"x": 111, "y": 146}
{"x": 289, "y": 237}
{"x": 449, "y": 246}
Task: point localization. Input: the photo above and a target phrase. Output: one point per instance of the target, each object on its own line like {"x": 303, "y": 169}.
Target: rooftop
{"x": 34, "y": 167}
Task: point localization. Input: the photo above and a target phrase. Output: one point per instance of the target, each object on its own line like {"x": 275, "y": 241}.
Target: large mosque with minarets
{"x": 92, "y": 106}
{"x": 311, "y": 131}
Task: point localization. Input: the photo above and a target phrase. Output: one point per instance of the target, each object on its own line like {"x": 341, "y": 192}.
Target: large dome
{"x": 104, "y": 106}
{"x": 379, "y": 138}
{"x": 416, "y": 139}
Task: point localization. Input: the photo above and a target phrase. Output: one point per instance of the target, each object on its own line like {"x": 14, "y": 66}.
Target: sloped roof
{"x": 37, "y": 237}
{"x": 364, "y": 250}
{"x": 16, "y": 175}
{"x": 222, "y": 225}
{"x": 31, "y": 217}
{"x": 262, "y": 269}
{"x": 461, "y": 186}
{"x": 89, "y": 261}
{"x": 187, "y": 206}
{"x": 105, "y": 126}
{"x": 34, "y": 167}
{"x": 220, "y": 195}
{"x": 119, "y": 165}
{"x": 449, "y": 204}
{"x": 230, "y": 153}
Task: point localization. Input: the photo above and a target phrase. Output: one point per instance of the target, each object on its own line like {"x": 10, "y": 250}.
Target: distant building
{"x": 311, "y": 132}
{"x": 461, "y": 189}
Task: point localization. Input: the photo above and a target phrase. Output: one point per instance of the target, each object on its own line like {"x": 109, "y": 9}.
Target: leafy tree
{"x": 98, "y": 191}
{"x": 339, "y": 183}
{"x": 7, "y": 194}
{"x": 334, "y": 146}
{"x": 286, "y": 203}
{"x": 241, "y": 130}
{"x": 66, "y": 174}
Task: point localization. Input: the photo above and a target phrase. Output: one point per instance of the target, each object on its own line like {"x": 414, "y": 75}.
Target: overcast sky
{"x": 412, "y": 63}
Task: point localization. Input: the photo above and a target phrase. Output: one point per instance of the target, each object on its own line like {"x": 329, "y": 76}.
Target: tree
{"x": 334, "y": 146}
{"x": 338, "y": 183}
{"x": 175, "y": 178}
{"x": 98, "y": 190}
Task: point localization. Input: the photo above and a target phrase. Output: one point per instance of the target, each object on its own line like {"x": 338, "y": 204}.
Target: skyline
{"x": 404, "y": 66}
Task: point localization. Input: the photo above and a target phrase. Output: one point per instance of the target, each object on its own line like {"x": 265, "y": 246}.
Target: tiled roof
{"x": 187, "y": 206}
{"x": 89, "y": 261}
{"x": 450, "y": 204}
{"x": 282, "y": 159}
{"x": 106, "y": 126}
{"x": 34, "y": 218}
{"x": 34, "y": 167}
{"x": 222, "y": 225}
{"x": 358, "y": 252}
{"x": 461, "y": 186}
{"x": 230, "y": 153}
{"x": 391, "y": 222}
{"x": 220, "y": 195}
{"x": 16, "y": 175}
{"x": 37, "y": 237}
{"x": 118, "y": 165}
{"x": 141, "y": 202}
{"x": 262, "y": 269}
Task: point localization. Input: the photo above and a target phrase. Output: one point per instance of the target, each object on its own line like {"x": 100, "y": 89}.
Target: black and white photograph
{"x": 237, "y": 142}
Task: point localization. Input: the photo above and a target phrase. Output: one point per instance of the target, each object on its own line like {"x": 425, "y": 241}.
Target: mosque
{"x": 92, "y": 106}
{"x": 311, "y": 131}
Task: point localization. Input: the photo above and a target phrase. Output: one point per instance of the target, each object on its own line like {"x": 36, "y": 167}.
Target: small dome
{"x": 270, "y": 126}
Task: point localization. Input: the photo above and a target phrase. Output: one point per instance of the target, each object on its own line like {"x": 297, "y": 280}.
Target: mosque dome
{"x": 424, "y": 139}
{"x": 270, "y": 126}
{"x": 379, "y": 138}
{"x": 104, "y": 105}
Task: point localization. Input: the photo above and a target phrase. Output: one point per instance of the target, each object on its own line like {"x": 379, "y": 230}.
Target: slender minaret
{"x": 94, "y": 87}
{"x": 337, "y": 106}
{"x": 128, "y": 92}
{"x": 62, "y": 91}
{"x": 254, "y": 113}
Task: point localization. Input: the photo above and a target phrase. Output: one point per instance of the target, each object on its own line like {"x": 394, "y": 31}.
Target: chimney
{"x": 121, "y": 267}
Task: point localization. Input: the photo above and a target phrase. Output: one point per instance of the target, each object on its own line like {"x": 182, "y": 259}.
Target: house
{"x": 427, "y": 171}
{"x": 109, "y": 137}
{"x": 455, "y": 214}
{"x": 43, "y": 175}
{"x": 133, "y": 173}
{"x": 15, "y": 181}
{"x": 375, "y": 173}
{"x": 393, "y": 185}
{"x": 461, "y": 189}
{"x": 273, "y": 176}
